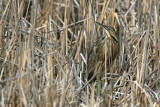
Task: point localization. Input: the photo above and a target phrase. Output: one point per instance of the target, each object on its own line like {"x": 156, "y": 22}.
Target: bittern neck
{"x": 114, "y": 39}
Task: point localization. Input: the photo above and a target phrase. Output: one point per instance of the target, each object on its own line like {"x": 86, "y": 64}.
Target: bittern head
{"x": 110, "y": 32}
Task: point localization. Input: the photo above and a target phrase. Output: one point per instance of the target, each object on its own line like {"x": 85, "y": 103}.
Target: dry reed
{"x": 44, "y": 46}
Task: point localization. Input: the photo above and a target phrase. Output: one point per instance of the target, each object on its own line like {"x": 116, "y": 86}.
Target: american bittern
{"x": 109, "y": 42}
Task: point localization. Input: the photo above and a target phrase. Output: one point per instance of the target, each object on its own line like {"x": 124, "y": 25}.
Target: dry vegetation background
{"x": 44, "y": 46}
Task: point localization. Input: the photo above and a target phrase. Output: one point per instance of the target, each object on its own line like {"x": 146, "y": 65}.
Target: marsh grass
{"x": 44, "y": 46}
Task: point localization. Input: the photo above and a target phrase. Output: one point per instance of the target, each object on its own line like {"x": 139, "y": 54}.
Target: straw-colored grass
{"x": 44, "y": 46}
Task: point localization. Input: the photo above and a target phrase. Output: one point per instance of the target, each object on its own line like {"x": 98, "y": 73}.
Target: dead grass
{"x": 44, "y": 47}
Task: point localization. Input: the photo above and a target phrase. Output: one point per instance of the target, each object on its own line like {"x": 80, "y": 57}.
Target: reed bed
{"x": 44, "y": 48}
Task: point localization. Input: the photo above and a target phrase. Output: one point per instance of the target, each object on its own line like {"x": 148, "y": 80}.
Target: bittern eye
{"x": 111, "y": 29}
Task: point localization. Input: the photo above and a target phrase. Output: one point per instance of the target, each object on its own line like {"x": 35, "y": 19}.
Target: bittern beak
{"x": 105, "y": 27}
{"x": 107, "y": 31}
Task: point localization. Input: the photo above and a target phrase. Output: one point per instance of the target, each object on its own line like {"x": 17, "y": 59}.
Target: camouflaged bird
{"x": 96, "y": 60}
